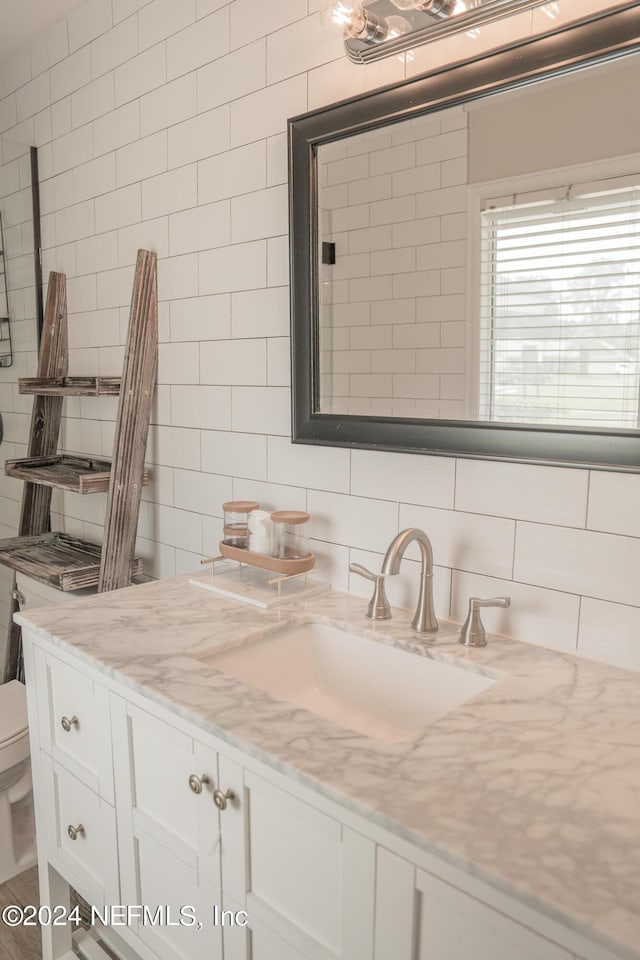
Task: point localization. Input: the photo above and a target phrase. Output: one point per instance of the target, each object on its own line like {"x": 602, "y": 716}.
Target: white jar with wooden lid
{"x": 290, "y": 537}
{"x": 236, "y": 522}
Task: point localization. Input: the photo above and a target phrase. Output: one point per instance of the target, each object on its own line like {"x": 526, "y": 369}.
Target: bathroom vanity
{"x": 505, "y": 828}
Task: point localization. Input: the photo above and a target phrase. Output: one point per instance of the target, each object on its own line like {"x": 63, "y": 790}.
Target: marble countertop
{"x": 533, "y": 786}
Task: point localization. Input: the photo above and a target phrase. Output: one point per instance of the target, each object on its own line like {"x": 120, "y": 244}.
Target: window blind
{"x": 560, "y": 307}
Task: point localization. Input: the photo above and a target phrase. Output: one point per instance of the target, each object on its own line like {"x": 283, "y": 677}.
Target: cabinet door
{"x": 168, "y": 832}
{"x": 79, "y": 834}
{"x": 73, "y": 715}
{"x": 297, "y": 871}
{"x": 458, "y": 926}
{"x": 421, "y": 916}
{"x": 180, "y": 923}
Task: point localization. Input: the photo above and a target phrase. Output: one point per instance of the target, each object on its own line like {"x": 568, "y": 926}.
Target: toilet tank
{"x": 38, "y": 594}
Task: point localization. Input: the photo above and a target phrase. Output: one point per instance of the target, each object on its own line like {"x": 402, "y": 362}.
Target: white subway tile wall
{"x": 163, "y": 124}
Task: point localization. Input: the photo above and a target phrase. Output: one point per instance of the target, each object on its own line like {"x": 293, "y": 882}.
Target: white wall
{"x": 163, "y": 124}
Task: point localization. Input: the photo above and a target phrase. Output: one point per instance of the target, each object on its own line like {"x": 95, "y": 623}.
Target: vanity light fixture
{"x": 372, "y": 29}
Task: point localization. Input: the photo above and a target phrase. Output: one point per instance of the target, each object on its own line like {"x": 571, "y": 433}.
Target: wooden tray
{"x": 57, "y": 559}
{"x": 288, "y": 568}
{"x": 70, "y": 386}
{"x": 79, "y": 474}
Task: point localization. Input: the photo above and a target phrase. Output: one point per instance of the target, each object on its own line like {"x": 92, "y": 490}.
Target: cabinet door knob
{"x": 75, "y": 832}
{"x": 220, "y": 799}
{"x": 195, "y": 783}
{"x": 68, "y": 723}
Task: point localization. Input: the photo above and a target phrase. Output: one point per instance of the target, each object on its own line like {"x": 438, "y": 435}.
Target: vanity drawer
{"x": 73, "y": 714}
{"x": 81, "y": 836}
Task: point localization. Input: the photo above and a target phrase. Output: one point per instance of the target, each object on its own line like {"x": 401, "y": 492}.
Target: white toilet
{"x": 17, "y": 831}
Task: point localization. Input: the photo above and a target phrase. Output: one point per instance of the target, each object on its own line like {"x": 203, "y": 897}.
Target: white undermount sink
{"x": 374, "y": 689}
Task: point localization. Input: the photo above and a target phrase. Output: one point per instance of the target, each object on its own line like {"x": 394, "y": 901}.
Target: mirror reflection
{"x": 482, "y": 263}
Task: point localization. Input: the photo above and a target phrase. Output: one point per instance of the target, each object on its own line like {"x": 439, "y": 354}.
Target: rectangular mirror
{"x": 466, "y": 258}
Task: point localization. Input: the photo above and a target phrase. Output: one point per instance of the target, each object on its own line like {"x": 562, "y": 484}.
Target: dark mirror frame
{"x": 603, "y": 37}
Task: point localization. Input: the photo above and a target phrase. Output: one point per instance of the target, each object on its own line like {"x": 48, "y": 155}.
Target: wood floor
{"x": 20, "y": 943}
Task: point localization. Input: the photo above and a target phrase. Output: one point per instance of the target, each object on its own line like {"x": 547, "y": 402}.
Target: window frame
{"x": 477, "y": 195}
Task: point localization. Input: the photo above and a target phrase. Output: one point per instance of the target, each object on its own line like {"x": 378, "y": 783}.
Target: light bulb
{"x": 346, "y": 15}
{"x": 398, "y": 26}
{"x": 355, "y": 22}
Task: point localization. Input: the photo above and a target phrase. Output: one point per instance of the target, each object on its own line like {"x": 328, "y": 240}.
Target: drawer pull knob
{"x": 220, "y": 799}
{"x": 195, "y": 783}
{"x": 68, "y": 723}
{"x": 75, "y": 832}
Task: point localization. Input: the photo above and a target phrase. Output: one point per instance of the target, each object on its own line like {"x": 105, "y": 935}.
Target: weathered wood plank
{"x": 77, "y": 579}
{"x": 77, "y": 474}
{"x": 57, "y": 559}
{"x": 132, "y": 428}
{"x": 81, "y": 476}
{"x": 70, "y": 386}
{"x": 9, "y": 544}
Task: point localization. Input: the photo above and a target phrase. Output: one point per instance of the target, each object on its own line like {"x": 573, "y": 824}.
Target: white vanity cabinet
{"x": 271, "y": 869}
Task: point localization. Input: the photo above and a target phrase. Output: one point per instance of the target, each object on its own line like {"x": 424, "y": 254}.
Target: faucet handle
{"x": 378, "y": 608}
{"x": 473, "y": 632}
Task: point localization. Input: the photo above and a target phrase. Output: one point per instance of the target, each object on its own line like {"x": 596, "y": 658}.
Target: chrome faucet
{"x": 424, "y": 620}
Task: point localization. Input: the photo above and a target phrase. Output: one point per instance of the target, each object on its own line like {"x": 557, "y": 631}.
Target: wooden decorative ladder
{"x": 56, "y": 558}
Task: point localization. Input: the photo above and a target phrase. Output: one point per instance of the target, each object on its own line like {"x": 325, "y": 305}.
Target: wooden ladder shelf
{"x": 55, "y": 558}
{"x": 70, "y": 386}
